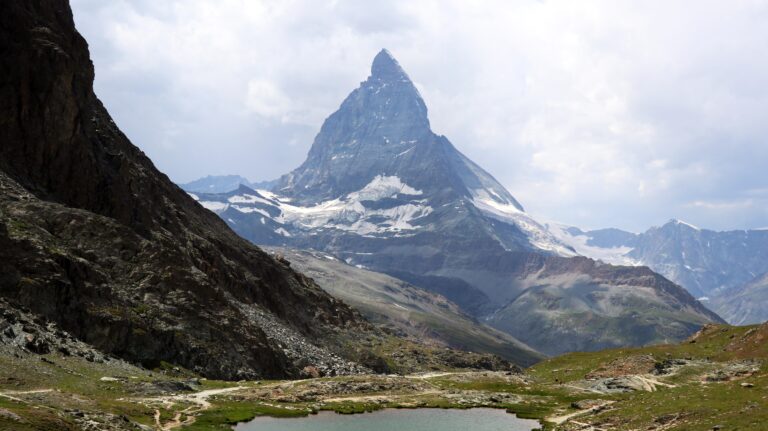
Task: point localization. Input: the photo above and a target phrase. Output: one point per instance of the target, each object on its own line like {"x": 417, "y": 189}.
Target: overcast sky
{"x": 592, "y": 113}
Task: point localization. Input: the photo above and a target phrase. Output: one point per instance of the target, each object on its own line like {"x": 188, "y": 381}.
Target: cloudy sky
{"x": 593, "y": 113}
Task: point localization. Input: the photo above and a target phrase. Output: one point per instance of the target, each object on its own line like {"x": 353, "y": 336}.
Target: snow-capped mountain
{"x": 379, "y": 189}
{"x": 708, "y": 263}
{"x": 376, "y": 169}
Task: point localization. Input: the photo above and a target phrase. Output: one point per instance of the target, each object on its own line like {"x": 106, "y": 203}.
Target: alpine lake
{"x": 429, "y": 419}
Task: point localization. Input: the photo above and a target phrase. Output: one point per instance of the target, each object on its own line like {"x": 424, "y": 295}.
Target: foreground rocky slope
{"x": 381, "y": 190}
{"x": 133, "y": 297}
{"x": 96, "y": 239}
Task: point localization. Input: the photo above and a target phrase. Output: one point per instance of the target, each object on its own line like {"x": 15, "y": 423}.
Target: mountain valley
{"x": 405, "y": 309}
{"x": 387, "y": 271}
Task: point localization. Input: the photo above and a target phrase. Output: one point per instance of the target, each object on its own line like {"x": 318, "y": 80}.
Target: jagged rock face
{"x": 380, "y": 190}
{"x": 703, "y": 261}
{"x": 372, "y": 133}
{"x": 22, "y": 332}
{"x": 93, "y": 237}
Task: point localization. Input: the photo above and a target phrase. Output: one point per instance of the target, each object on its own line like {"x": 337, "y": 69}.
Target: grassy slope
{"x": 417, "y": 313}
{"x": 76, "y": 384}
{"x": 544, "y": 391}
{"x": 693, "y": 404}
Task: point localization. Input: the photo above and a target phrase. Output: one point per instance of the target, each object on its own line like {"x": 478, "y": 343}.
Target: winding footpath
{"x": 199, "y": 401}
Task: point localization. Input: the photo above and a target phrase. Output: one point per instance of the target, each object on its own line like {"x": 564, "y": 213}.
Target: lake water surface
{"x": 397, "y": 420}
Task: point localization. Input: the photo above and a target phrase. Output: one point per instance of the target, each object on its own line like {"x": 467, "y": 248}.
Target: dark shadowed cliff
{"x": 94, "y": 237}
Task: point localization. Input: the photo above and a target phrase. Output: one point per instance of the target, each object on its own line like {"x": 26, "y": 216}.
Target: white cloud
{"x": 594, "y": 112}
{"x": 265, "y": 99}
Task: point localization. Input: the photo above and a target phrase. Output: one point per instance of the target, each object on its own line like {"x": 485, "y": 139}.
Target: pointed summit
{"x": 382, "y": 129}
{"x": 385, "y": 67}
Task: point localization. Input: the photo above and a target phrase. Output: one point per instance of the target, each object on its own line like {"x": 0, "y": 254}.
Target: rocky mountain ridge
{"x": 405, "y": 309}
{"x": 714, "y": 266}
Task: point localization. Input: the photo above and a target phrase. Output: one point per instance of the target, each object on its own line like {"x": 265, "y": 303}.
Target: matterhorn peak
{"x": 385, "y": 67}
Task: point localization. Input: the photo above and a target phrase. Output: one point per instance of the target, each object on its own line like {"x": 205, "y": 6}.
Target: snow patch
{"x": 249, "y": 199}
{"x": 283, "y": 232}
{"x": 491, "y": 204}
{"x": 383, "y": 187}
{"x": 612, "y": 255}
{"x": 248, "y": 210}
{"x": 273, "y": 197}
{"x": 404, "y": 152}
{"x": 482, "y": 199}
{"x": 347, "y": 213}
{"x": 214, "y": 206}
{"x": 682, "y": 223}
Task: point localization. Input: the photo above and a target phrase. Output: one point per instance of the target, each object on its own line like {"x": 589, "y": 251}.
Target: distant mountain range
{"x": 726, "y": 270}
{"x": 744, "y": 304}
{"x": 381, "y": 191}
{"x": 222, "y": 184}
